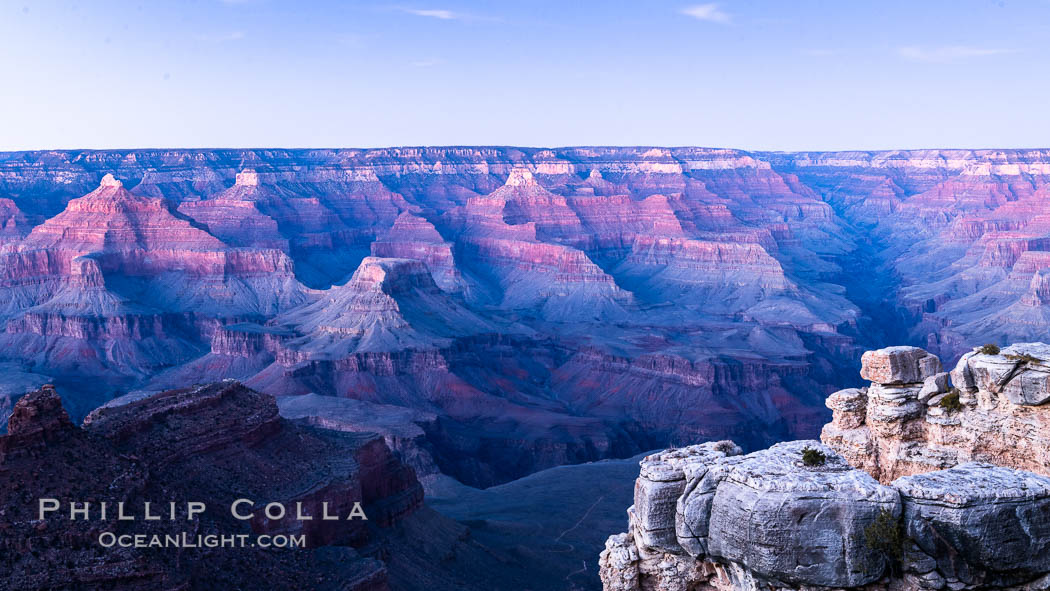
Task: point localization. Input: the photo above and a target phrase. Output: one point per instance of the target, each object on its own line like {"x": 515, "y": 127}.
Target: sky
{"x": 756, "y": 75}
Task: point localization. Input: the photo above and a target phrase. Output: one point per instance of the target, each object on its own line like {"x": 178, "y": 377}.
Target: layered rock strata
{"x": 918, "y": 484}
{"x": 675, "y": 294}
{"x": 990, "y": 408}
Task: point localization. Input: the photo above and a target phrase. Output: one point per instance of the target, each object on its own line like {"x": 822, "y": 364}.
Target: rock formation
{"x": 917, "y": 484}
{"x": 634, "y": 297}
{"x": 413, "y": 237}
{"x": 118, "y": 285}
{"x": 910, "y": 423}
{"x": 210, "y": 444}
{"x": 13, "y": 223}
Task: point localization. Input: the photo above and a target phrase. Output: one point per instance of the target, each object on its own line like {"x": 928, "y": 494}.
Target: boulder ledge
{"x": 916, "y": 484}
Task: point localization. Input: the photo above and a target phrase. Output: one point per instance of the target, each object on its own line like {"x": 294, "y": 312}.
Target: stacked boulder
{"x": 891, "y": 499}
{"x": 914, "y": 418}
{"x": 1020, "y": 374}
{"x": 876, "y": 427}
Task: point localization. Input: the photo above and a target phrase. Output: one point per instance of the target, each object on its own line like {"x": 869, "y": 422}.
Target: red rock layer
{"x": 774, "y": 263}
{"x": 413, "y": 237}
{"x": 13, "y": 224}
{"x": 117, "y": 284}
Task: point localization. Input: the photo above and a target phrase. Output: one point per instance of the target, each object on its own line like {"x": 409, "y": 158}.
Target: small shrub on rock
{"x": 813, "y": 457}
{"x": 951, "y": 402}
{"x": 886, "y": 535}
{"x": 989, "y": 349}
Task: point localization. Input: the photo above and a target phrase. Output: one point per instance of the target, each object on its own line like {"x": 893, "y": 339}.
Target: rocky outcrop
{"x": 986, "y": 526}
{"x": 766, "y": 518}
{"x": 403, "y": 429}
{"x": 905, "y": 492}
{"x": 37, "y": 420}
{"x": 388, "y": 305}
{"x": 988, "y": 411}
{"x": 210, "y": 444}
{"x": 661, "y": 482}
{"x": 413, "y": 237}
{"x": 786, "y": 521}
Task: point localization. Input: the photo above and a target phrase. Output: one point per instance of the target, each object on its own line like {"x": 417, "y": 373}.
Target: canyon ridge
{"x": 496, "y": 311}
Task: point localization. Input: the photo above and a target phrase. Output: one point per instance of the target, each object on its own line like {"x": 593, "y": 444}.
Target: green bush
{"x": 886, "y": 535}
{"x": 813, "y": 457}
{"x": 989, "y": 349}
{"x": 951, "y": 402}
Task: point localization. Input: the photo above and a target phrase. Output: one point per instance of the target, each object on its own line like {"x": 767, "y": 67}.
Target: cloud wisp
{"x": 438, "y": 13}
{"x": 708, "y": 12}
{"x": 948, "y": 53}
{"x": 443, "y": 14}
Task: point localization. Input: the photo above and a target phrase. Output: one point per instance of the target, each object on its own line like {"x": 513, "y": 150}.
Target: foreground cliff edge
{"x": 923, "y": 480}
{"x": 212, "y": 445}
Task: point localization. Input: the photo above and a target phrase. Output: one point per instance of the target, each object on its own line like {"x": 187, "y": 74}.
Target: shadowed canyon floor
{"x": 520, "y": 308}
{"x": 555, "y": 518}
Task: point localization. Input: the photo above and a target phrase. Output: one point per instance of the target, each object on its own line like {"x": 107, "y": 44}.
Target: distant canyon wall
{"x": 535, "y": 306}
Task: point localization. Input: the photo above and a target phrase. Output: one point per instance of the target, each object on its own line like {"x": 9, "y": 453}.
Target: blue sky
{"x": 779, "y": 75}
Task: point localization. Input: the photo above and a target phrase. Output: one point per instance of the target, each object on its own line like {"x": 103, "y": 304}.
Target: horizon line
{"x": 521, "y": 147}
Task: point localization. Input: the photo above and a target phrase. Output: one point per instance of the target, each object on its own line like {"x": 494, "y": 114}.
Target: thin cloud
{"x": 444, "y": 14}
{"x": 947, "y": 54}
{"x": 707, "y": 12}
{"x": 819, "y": 52}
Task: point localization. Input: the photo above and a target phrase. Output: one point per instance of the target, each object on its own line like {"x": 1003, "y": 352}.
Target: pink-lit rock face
{"x": 545, "y": 305}
{"x": 13, "y": 224}
{"x": 413, "y": 237}
{"x": 112, "y": 218}
{"x": 120, "y": 285}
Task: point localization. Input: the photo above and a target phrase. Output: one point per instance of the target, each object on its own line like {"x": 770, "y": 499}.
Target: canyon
{"x": 497, "y": 311}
